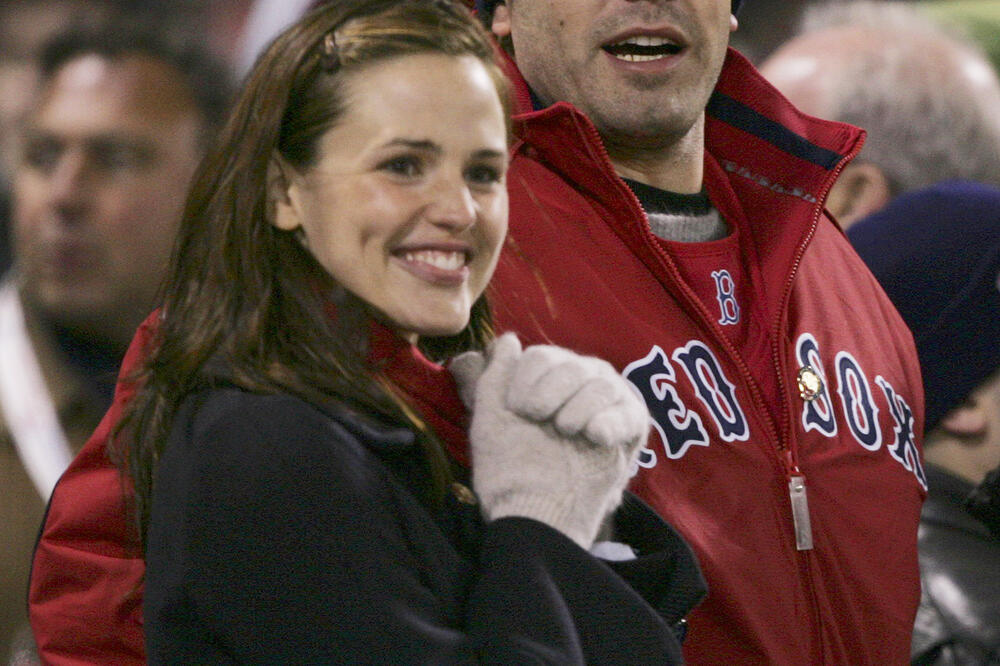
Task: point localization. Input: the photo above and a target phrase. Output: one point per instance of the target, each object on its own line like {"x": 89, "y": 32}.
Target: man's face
{"x": 641, "y": 70}
{"x": 106, "y": 158}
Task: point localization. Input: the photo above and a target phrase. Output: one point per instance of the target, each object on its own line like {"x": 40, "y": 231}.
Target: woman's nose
{"x": 452, "y": 204}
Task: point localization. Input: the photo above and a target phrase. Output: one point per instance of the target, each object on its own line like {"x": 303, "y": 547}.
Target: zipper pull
{"x": 800, "y": 512}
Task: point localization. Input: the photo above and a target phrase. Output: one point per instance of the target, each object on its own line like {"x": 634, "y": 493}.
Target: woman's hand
{"x": 553, "y": 436}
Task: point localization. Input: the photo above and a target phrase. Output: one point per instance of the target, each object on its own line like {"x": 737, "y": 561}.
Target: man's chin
{"x": 76, "y": 307}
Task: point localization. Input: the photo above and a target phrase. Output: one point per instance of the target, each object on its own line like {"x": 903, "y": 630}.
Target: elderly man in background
{"x": 928, "y": 98}
{"x": 105, "y": 155}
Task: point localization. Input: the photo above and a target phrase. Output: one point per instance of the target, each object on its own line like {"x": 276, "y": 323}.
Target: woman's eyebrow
{"x": 418, "y": 144}
{"x": 430, "y": 146}
{"x": 489, "y": 153}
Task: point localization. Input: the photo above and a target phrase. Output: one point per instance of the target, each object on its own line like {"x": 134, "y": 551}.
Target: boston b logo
{"x": 725, "y": 292}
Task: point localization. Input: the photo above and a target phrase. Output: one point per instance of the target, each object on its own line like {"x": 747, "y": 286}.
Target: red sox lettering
{"x": 680, "y": 427}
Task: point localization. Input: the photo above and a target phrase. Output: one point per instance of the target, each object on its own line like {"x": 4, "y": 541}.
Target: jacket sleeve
{"x": 277, "y": 537}
{"x": 85, "y": 593}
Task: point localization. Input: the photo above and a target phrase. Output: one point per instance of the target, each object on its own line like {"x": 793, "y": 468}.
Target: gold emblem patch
{"x": 809, "y": 382}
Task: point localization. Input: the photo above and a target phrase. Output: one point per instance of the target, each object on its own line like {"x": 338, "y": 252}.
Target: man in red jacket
{"x": 667, "y": 215}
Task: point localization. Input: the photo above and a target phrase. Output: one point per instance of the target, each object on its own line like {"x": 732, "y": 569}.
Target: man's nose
{"x": 69, "y": 181}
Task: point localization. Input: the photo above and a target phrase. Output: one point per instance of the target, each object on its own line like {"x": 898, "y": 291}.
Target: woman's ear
{"x": 501, "y": 21}
{"x": 282, "y": 210}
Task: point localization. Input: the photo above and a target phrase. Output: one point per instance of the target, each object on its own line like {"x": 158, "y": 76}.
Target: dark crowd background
{"x": 234, "y": 29}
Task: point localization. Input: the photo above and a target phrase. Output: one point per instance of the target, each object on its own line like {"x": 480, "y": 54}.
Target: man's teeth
{"x": 449, "y": 261}
{"x": 643, "y": 48}
{"x": 634, "y": 57}
{"x": 645, "y": 40}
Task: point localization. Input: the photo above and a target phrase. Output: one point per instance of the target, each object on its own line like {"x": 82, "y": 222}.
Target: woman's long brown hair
{"x": 246, "y": 296}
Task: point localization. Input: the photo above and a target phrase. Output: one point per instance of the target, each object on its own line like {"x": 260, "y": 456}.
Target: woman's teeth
{"x": 448, "y": 261}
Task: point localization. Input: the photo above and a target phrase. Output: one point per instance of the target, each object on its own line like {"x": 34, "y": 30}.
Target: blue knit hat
{"x": 936, "y": 252}
{"x": 483, "y": 6}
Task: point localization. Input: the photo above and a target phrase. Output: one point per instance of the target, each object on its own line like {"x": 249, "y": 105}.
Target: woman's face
{"x": 406, "y": 206}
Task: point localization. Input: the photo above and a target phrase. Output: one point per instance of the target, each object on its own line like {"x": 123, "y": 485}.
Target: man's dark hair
{"x": 207, "y": 76}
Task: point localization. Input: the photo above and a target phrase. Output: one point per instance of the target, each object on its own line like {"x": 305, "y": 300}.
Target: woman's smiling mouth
{"x": 443, "y": 267}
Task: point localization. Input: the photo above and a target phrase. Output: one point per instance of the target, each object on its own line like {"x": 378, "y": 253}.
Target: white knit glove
{"x": 553, "y": 434}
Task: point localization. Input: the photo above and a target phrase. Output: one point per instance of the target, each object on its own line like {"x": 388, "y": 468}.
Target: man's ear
{"x": 501, "y": 21}
{"x": 967, "y": 420}
{"x": 282, "y": 210}
{"x": 861, "y": 190}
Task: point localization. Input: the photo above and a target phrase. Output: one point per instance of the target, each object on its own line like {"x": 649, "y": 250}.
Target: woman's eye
{"x": 402, "y": 166}
{"x": 483, "y": 175}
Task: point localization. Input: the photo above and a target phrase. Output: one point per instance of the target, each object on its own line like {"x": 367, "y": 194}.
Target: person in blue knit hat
{"x": 937, "y": 253}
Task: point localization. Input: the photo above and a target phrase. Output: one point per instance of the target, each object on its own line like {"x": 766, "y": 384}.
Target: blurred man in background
{"x": 104, "y": 159}
{"x": 24, "y": 25}
{"x": 929, "y": 100}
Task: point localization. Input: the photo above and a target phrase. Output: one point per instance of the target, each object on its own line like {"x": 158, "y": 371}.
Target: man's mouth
{"x": 643, "y": 48}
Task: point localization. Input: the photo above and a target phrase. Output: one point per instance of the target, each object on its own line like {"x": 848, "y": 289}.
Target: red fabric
{"x": 85, "y": 598}
{"x": 86, "y": 586}
{"x": 428, "y": 387}
{"x": 583, "y": 270}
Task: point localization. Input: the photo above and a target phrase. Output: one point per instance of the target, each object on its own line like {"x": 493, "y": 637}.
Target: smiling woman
{"x": 406, "y": 205}
{"x": 301, "y": 468}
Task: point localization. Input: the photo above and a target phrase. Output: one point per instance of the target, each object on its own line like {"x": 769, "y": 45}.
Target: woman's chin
{"x": 428, "y": 321}
{"x": 437, "y": 329}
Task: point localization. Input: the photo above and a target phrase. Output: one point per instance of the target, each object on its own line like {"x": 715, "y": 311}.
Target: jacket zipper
{"x": 797, "y": 491}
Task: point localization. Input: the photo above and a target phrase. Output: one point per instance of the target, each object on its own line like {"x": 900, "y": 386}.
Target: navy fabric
{"x": 737, "y": 114}
{"x": 936, "y": 252}
{"x": 286, "y": 534}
